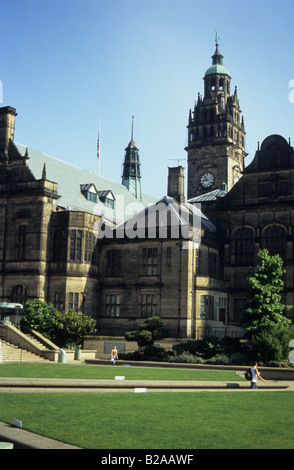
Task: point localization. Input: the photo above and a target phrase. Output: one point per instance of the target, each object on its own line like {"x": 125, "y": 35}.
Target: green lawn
{"x": 72, "y": 371}
{"x": 173, "y": 420}
{"x": 199, "y": 420}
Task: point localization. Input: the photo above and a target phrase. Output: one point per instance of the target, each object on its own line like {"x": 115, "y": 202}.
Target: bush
{"x": 185, "y": 357}
{"x": 59, "y": 327}
{"x": 148, "y": 353}
{"x": 240, "y": 359}
{"x": 219, "y": 359}
{"x": 282, "y": 364}
{"x": 205, "y": 348}
{"x": 145, "y": 338}
{"x": 152, "y": 329}
{"x": 272, "y": 344}
{"x": 154, "y": 353}
{"x": 271, "y": 348}
{"x": 232, "y": 345}
{"x": 131, "y": 335}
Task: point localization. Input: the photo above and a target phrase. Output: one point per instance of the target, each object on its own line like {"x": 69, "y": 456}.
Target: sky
{"x": 66, "y": 65}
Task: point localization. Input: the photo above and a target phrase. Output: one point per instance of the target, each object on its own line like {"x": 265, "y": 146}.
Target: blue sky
{"x": 64, "y": 63}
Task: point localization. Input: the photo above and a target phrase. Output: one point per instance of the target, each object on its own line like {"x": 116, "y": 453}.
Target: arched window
{"x": 19, "y": 294}
{"x": 244, "y": 245}
{"x": 275, "y": 240}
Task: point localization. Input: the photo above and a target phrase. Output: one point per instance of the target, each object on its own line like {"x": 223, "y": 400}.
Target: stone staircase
{"x": 25, "y": 346}
{"x": 13, "y": 353}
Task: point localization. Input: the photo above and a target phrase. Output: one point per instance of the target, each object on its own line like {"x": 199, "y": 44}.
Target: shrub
{"x": 219, "y": 359}
{"x": 152, "y": 329}
{"x": 59, "y": 327}
{"x": 272, "y": 344}
{"x": 239, "y": 358}
{"x": 185, "y": 357}
{"x": 154, "y": 353}
{"x": 205, "y": 348}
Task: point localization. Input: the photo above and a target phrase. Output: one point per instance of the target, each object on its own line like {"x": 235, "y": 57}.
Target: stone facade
{"x": 256, "y": 214}
{"x": 70, "y": 238}
{"x": 178, "y": 278}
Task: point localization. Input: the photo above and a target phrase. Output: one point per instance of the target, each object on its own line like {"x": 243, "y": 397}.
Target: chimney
{"x": 7, "y": 122}
{"x": 175, "y": 183}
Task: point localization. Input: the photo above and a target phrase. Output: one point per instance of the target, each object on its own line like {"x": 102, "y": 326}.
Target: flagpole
{"x": 98, "y": 148}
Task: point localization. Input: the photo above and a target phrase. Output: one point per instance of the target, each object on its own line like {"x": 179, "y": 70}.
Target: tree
{"x": 39, "y": 315}
{"x": 73, "y": 326}
{"x": 151, "y": 330}
{"x": 59, "y": 327}
{"x": 265, "y": 285}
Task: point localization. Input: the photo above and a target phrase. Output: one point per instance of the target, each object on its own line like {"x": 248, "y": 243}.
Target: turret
{"x": 131, "y": 177}
{"x": 7, "y": 125}
{"x": 216, "y": 133}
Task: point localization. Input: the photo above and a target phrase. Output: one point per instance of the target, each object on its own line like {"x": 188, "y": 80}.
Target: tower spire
{"x": 132, "y": 136}
{"x": 131, "y": 177}
{"x": 217, "y": 58}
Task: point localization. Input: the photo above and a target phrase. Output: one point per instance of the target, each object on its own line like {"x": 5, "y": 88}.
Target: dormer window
{"x": 91, "y": 196}
{"x": 90, "y": 192}
{"x": 107, "y": 198}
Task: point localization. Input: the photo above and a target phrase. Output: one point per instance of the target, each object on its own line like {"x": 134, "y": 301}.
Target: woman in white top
{"x": 255, "y": 375}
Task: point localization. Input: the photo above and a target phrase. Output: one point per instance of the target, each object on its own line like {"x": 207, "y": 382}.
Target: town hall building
{"x": 87, "y": 244}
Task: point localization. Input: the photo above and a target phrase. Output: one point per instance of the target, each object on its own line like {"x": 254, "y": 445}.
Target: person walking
{"x": 255, "y": 376}
{"x": 114, "y": 355}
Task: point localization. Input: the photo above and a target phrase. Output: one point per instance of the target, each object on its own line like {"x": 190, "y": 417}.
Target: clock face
{"x": 207, "y": 180}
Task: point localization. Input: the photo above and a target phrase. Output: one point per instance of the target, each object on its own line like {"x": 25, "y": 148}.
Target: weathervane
{"x": 216, "y": 39}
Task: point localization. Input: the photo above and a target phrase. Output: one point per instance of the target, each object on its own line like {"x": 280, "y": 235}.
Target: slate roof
{"x": 70, "y": 178}
{"x": 211, "y": 196}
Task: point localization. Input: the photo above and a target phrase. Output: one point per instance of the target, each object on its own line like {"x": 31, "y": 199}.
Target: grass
{"x": 196, "y": 420}
{"x": 202, "y": 420}
{"x": 72, "y": 371}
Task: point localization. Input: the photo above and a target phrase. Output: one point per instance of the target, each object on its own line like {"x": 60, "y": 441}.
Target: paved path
{"x": 18, "y": 385}
{"x": 22, "y": 439}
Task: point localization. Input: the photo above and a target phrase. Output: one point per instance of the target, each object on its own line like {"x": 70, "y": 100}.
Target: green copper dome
{"x": 217, "y": 68}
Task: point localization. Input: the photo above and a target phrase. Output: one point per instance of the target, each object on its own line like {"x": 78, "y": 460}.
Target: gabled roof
{"x": 106, "y": 194}
{"x": 166, "y": 218}
{"x": 70, "y": 178}
{"x": 88, "y": 187}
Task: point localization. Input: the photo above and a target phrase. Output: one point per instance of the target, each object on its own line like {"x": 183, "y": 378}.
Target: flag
{"x": 98, "y": 147}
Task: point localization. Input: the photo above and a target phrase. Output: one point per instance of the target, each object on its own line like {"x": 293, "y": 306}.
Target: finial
{"x": 216, "y": 39}
{"x": 44, "y": 172}
{"x": 132, "y": 137}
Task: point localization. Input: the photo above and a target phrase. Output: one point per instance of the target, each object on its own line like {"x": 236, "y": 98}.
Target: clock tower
{"x": 216, "y": 133}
